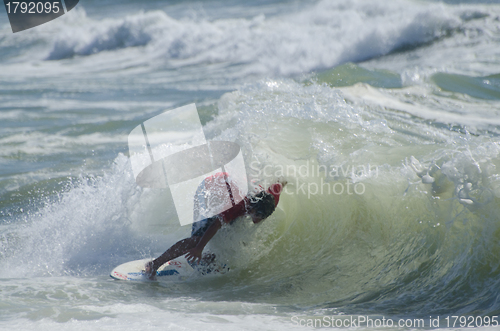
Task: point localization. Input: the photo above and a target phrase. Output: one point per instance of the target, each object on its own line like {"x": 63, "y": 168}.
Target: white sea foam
{"x": 85, "y": 228}
{"x": 321, "y": 36}
{"x": 38, "y": 143}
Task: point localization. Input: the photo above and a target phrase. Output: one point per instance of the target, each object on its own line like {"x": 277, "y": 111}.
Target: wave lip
{"x": 93, "y": 37}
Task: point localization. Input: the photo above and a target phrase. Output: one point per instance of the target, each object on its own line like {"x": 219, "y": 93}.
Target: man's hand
{"x": 282, "y": 181}
{"x": 194, "y": 254}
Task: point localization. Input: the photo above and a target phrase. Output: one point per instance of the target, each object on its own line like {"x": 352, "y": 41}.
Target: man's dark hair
{"x": 262, "y": 204}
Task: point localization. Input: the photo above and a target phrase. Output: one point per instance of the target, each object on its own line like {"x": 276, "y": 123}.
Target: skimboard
{"x": 175, "y": 270}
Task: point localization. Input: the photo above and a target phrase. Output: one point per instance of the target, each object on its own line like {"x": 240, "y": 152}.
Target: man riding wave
{"x": 215, "y": 193}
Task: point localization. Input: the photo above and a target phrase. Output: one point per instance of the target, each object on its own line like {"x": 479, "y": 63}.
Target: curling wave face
{"x": 383, "y": 211}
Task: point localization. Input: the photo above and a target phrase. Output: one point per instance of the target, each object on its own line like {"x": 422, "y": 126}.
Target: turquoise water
{"x": 383, "y": 117}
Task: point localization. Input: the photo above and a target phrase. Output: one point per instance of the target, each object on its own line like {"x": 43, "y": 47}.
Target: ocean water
{"x": 383, "y": 116}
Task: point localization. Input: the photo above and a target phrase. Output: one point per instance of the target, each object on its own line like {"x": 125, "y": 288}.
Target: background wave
{"x": 320, "y": 36}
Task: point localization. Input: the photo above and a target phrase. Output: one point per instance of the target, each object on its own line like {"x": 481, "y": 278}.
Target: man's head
{"x": 262, "y": 205}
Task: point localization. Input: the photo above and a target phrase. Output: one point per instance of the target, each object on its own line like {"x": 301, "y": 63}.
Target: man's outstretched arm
{"x": 194, "y": 253}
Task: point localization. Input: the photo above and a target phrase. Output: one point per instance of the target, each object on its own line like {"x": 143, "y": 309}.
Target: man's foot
{"x": 149, "y": 271}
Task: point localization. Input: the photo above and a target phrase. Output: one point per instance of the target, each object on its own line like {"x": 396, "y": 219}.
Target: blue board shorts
{"x": 198, "y": 229}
